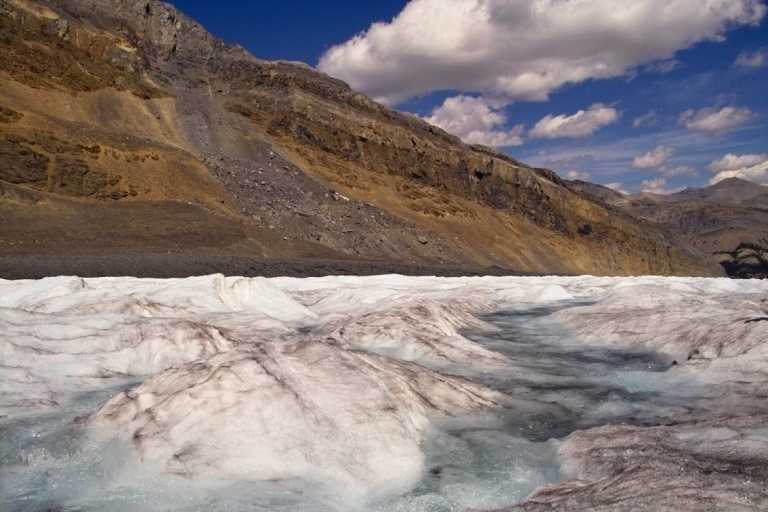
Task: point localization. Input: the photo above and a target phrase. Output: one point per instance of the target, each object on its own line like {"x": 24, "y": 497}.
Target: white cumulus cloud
{"x": 617, "y": 187}
{"x": 683, "y": 170}
{"x": 655, "y": 186}
{"x": 577, "y": 175}
{"x": 580, "y": 124}
{"x": 756, "y": 59}
{"x": 653, "y": 159}
{"x": 714, "y": 121}
{"x": 731, "y": 162}
{"x": 476, "y": 121}
{"x": 752, "y": 167}
{"x": 524, "y": 49}
{"x": 648, "y": 119}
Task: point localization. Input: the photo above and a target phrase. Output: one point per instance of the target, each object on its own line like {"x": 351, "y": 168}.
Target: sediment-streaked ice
{"x": 719, "y": 331}
{"x": 310, "y": 410}
{"x": 341, "y": 393}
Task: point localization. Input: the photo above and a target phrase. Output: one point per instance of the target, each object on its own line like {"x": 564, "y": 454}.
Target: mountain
{"x": 599, "y": 192}
{"x": 727, "y": 191}
{"x": 736, "y": 236}
{"x": 132, "y": 141}
{"x": 727, "y": 220}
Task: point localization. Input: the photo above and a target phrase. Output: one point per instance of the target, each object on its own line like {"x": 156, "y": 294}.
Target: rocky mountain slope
{"x": 127, "y": 129}
{"x": 727, "y": 220}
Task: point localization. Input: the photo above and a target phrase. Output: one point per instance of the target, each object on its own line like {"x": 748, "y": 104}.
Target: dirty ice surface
{"x": 382, "y": 393}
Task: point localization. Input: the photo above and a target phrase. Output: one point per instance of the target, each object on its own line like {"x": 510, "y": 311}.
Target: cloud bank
{"x": 756, "y": 59}
{"x": 580, "y": 124}
{"x": 653, "y": 159}
{"x": 524, "y": 49}
{"x": 475, "y": 121}
{"x": 752, "y": 167}
{"x": 714, "y": 121}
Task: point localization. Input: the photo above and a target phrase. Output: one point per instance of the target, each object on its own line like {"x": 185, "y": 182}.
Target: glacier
{"x": 383, "y": 393}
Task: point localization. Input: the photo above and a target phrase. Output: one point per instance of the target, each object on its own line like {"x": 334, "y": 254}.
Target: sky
{"x": 637, "y": 95}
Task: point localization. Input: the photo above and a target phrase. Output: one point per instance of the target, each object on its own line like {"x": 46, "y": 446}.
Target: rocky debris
{"x": 274, "y": 193}
{"x": 727, "y": 191}
{"x": 727, "y": 220}
{"x": 19, "y": 164}
{"x": 73, "y": 55}
{"x": 59, "y": 166}
{"x": 13, "y": 193}
{"x": 74, "y": 177}
{"x": 599, "y": 192}
{"x": 9, "y": 116}
{"x": 720, "y": 230}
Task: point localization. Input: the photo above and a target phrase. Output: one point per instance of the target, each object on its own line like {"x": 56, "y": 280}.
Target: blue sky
{"x": 639, "y": 95}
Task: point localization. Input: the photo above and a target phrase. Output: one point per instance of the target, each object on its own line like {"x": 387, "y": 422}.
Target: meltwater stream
{"x": 559, "y": 384}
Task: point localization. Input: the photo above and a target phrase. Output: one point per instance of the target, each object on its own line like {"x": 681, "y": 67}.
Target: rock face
{"x": 728, "y": 220}
{"x": 106, "y": 104}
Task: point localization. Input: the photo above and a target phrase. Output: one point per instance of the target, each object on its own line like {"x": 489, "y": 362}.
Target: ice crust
{"x": 311, "y": 410}
{"x": 720, "y": 332}
{"x": 339, "y": 381}
{"x": 713, "y": 464}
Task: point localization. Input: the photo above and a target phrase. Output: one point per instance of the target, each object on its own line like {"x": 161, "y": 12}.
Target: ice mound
{"x": 721, "y": 336}
{"x": 424, "y": 330}
{"x": 46, "y": 357}
{"x": 716, "y": 464}
{"x": 26, "y": 294}
{"x": 188, "y": 298}
{"x": 413, "y": 319}
{"x": 309, "y": 386}
{"x": 219, "y": 294}
{"x": 553, "y": 293}
{"x": 308, "y": 410}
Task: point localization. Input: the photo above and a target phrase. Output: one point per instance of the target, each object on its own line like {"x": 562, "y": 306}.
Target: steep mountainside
{"x": 599, "y": 192}
{"x": 728, "y": 220}
{"x": 126, "y": 128}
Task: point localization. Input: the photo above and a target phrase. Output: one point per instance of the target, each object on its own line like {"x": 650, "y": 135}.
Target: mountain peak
{"x": 730, "y": 190}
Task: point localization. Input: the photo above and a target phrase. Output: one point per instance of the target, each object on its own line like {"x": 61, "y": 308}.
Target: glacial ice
{"x": 383, "y": 392}
{"x": 720, "y": 334}
{"x": 310, "y": 410}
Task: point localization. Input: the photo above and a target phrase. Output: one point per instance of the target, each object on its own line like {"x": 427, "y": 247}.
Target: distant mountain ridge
{"x": 727, "y": 191}
{"x": 728, "y": 220}
{"x": 126, "y": 127}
